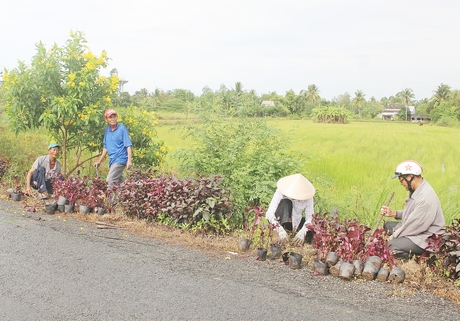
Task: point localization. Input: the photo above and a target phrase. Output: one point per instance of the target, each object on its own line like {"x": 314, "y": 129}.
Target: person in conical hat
{"x": 421, "y": 217}
{"x": 293, "y": 196}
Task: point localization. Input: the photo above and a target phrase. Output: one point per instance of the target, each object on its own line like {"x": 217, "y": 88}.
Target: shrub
{"x": 184, "y": 201}
{"x": 349, "y": 239}
{"x": 445, "y": 248}
{"x": 248, "y": 154}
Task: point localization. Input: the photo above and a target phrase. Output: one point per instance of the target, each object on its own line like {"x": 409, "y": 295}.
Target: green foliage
{"x": 249, "y": 155}
{"x": 62, "y": 92}
{"x": 147, "y": 148}
{"x": 330, "y": 114}
{"x": 444, "y": 112}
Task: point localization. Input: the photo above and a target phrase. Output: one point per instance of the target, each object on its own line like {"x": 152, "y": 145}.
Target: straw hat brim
{"x": 296, "y": 187}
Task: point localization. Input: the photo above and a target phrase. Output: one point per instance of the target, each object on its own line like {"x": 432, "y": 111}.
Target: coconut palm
{"x": 406, "y": 96}
{"x": 312, "y": 93}
{"x": 358, "y": 101}
{"x": 440, "y": 94}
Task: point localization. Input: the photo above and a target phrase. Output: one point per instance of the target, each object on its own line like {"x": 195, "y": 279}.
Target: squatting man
{"x": 293, "y": 196}
{"x": 421, "y": 217}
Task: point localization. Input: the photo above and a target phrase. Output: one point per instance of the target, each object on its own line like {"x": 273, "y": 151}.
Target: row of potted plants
{"x": 89, "y": 193}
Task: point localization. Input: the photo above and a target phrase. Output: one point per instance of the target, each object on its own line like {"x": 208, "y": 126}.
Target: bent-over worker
{"x": 293, "y": 196}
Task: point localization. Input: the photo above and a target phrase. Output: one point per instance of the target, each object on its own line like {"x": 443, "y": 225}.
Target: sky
{"x": 378, "y": 47}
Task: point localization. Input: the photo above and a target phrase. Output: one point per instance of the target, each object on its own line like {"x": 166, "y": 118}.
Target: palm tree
{"x": 312, "y": 93}
{"x": 358, "y": 101}
{"x": 406, "y": 96}
{"x": 440, "y": 94}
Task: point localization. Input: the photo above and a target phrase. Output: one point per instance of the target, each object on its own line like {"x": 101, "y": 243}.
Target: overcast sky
{"x": 379, "y": 47}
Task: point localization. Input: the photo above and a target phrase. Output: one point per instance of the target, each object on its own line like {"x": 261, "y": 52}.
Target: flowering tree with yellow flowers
{"x": 62, "y": 91}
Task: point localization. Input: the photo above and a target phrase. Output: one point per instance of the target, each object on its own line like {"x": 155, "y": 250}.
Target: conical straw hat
{"x": 296, "y": 187}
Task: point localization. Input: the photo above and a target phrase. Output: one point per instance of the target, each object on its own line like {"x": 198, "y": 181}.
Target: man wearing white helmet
{"x": 293, "y": 196}
{"x": 421, "y": 217}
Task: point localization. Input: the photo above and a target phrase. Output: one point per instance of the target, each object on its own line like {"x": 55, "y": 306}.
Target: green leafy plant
{"x": 445, "y": 249}
{"x": 246, "y": 153}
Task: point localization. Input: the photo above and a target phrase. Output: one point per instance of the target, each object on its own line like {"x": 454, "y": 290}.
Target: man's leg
{"x": 389, "y": 227}
{"x": 283, "y": 214}
{"x": 404, "y": 248}
{"x": 38, "y": 179}
{"x": 115, "y": 175}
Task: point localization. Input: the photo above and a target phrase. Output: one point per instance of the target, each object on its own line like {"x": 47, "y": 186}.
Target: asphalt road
{"x": 58, "y": 268}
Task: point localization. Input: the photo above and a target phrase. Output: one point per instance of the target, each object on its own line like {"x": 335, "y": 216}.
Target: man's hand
{"x": 282, "y": 235}
{"x": 299, "y": 239}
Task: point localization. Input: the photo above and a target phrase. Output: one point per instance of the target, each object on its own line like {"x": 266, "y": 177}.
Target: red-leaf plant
{"x": 445, "y": 248}
{"x": 349, "y": 239}
{"x": 252, "y": 221}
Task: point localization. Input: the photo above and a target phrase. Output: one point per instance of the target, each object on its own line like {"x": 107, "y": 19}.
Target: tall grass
{"x": 351, "y": 165}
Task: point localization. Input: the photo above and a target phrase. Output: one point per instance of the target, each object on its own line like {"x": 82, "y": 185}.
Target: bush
{"x": 445, "y": 249}
{"x": 248, "y": 154}
{"x": 187, "y": 202}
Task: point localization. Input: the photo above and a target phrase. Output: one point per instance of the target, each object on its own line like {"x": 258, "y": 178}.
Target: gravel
{"x": 53, "y": 267}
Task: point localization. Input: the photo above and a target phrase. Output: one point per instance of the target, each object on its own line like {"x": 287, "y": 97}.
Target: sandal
{"x": 43, "y": 196}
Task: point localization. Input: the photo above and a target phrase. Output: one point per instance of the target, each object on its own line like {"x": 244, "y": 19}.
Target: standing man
{"x": 42, "y": 171}
{"x": 293, "y": 196}
{"x": 421, "y": 217}
{"x": 117, "y": 144}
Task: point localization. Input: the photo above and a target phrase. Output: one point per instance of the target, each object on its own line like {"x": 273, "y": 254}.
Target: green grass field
{"x": 351, "y": 165}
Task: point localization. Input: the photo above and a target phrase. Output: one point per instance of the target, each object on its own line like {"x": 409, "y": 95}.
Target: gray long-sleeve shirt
{"x": 421, "y": 217}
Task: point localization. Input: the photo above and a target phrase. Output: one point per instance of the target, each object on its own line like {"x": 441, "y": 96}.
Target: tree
{"x": 440, "y": 94}
{"x": 63, "y": 92}
{"x": 358, "y": 101}
{"x": 312, "y": 94}
{"x": 406, "y": 96}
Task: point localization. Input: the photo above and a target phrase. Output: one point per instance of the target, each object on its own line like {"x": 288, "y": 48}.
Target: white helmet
{"x": 408, "y": 167}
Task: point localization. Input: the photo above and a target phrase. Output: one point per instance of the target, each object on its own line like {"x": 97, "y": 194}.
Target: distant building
{"x": 392, "y": 109}
{"x": 267, "y": 103}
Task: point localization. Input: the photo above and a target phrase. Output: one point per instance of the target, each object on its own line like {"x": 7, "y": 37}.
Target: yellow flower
{"x": 42, "y": 99}
{"x": 72, "y": 76}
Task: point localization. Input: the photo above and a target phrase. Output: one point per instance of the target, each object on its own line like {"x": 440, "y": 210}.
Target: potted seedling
{"x": 275, "y": 248}
{"x": 245, "y": 242}
{"x": 262, "y": 249}
{"x": 16, "y": 193}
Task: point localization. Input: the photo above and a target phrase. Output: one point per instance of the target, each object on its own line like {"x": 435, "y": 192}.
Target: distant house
{"x": 392, "y": 109}
{"x": 267, "y": 103}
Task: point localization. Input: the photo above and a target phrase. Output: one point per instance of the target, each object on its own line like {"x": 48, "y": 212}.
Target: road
{"x": 54, "y": 267}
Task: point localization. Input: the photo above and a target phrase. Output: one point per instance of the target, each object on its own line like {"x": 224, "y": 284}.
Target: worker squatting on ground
{"x": 421, "y": 217}
{"x": 293, "y": 196}
{"x": 43, "y": 170}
